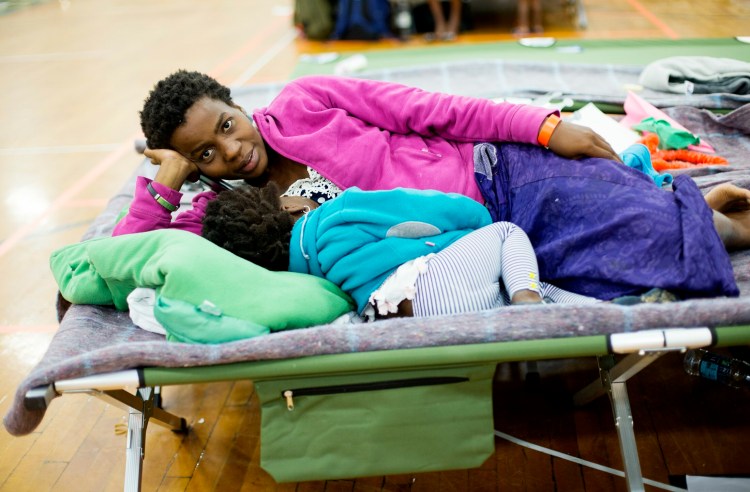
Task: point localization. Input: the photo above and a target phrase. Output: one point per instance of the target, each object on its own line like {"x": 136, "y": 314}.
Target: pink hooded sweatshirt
{"x": 371, "y": 134}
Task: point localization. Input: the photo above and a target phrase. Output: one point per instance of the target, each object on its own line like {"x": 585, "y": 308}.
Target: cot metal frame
{"x": 636, "y": 350}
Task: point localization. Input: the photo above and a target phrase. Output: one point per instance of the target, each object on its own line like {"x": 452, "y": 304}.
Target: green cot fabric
{"x": 377, "y": 424}
{"x": 204, "y": 293}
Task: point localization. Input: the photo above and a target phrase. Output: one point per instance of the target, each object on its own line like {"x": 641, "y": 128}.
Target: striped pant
{"x": 467, "y": 275}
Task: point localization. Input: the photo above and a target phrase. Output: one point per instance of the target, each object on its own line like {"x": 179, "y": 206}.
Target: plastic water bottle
{"x": 726, "y": 370}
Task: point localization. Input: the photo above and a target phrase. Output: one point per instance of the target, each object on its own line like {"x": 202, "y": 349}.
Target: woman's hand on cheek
{"x": 573, "y": 141}
{"x": 174, "y": 168}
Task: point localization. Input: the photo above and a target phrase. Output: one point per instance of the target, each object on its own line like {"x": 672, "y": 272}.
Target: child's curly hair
{"x": 165, "y": 107}
{"x": 249, "y": 222}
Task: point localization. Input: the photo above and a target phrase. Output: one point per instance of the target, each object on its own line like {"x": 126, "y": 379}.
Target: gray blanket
{"x": 510, "y": 79}
{"x": 95, "y": 340}
{"x": 697, "y": 74}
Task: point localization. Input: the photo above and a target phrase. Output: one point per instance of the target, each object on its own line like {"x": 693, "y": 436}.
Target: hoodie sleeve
{"x": 403, "y": 109}
{"x": 146, "y": 214}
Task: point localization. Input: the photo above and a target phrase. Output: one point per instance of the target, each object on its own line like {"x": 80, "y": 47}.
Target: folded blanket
{"x": 697, "y": 74}
{"x": 204, "y": 293}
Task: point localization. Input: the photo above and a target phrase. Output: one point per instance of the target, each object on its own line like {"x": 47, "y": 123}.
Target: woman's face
{"x": 221, "y": 140}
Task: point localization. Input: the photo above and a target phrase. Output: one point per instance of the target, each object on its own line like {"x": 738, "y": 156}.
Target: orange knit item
{"x": 663, "y": 160}
{"x": 690, "y": 156}
{"x": 651, "y": 141}
{"x": 662, "y": 165}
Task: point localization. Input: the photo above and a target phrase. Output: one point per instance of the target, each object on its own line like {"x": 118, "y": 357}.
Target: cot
{"x": 99, "y": 351}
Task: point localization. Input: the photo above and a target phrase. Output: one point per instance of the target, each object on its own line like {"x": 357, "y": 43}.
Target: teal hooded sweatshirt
{"x": 359, "y": 238}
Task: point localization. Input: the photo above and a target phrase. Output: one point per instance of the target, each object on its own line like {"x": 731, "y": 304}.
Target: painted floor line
{"x": 127, "y": 146}
{"x": 653, "y": 19}
{"x": 44, "y": 57}
{"x": 10, "y": 330}
{"x": 86, "y": 203}
{"x": 59, "y": 149}
{"x": 252, "y": 43}
{"x": 80, "y": 224}
{"x": 274, "y": 50}
{"x": 67, "y": 195}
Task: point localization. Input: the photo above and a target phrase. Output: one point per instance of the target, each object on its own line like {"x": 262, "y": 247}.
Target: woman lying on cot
{"x": 336, "y": 132}
{"x": 599, "y": 228}
{"x": 403, "y": 251}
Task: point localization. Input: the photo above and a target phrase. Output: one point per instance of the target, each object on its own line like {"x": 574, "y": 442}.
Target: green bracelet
{"x": 160, "y": 199}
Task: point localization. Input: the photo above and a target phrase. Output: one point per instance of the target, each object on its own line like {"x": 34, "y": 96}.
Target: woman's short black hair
{"x": 249, "y": 222}
{"x": 165, "y": 107}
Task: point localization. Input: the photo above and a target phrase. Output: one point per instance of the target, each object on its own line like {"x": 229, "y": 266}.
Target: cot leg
{"x": 135, "y": 446}
{"x": 141, "y": 409}
{"x": 612, "y": 381}
{"x": 618, "y": 397}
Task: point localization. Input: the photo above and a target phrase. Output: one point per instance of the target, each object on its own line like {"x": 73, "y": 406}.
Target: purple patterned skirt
{"x": 602, "y": 229}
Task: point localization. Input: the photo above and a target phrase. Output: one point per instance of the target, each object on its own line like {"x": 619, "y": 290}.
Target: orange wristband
{"x": 548, "y": 127}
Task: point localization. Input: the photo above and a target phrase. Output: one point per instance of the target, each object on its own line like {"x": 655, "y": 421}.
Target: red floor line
{"x": 10, "y": 330}
{"x": 653, "y": 19}
{"x": 92, "y": 202}
{"x": 218, "y": 71}
{"x": 67, "y": 195}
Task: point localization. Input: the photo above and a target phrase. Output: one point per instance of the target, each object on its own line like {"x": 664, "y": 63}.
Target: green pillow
{"x": 205, "y": 294}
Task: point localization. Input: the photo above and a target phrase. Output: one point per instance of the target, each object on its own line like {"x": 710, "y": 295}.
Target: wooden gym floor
{"x": 74, "y": 74}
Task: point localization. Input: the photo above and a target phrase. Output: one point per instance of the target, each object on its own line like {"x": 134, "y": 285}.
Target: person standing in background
{"x": 523, "y": 26}
{"x": 445, "y": 30}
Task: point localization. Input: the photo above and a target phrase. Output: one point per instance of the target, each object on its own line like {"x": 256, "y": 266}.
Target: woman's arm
{"x": 147, "y": 214}
{"x": 402, "y": 109}
{"x": 573, "y": 141}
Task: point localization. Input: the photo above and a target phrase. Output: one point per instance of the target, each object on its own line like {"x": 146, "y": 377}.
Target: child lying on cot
{"x": 404, "y": 252}
{"x": 598, "y": 227}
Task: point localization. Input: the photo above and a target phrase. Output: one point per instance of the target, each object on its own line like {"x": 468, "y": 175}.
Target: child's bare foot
{"x": 526, "y": 297}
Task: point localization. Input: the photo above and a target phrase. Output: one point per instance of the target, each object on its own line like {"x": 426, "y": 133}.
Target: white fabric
{"x": 398, "y": 286}
{"x": 314, "y": 185}
{"x": 141, "y": 305}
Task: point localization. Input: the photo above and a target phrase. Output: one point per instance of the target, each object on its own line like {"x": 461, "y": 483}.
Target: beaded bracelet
{"x": 548, "y": 127}
{"x": 160, "y": 199}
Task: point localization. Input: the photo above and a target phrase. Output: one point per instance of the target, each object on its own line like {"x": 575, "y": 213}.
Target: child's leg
{"x": 557, "y": 295}
{"x": 466, "y": 276}
{"x": 520, "y": 272}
